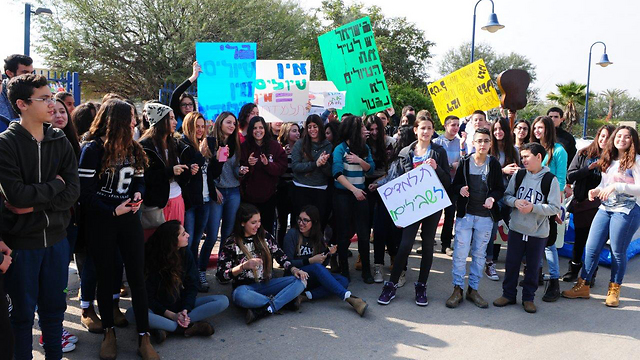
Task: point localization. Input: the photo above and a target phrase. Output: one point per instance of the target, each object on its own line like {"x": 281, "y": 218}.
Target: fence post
{"x": 76, "y": 88}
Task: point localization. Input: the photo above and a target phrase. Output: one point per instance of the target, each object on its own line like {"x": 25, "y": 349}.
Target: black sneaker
{"x": 421, "y": 294}
{"x": 388, "y": 293}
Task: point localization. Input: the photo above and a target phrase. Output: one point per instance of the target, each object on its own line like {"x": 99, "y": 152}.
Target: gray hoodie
{"x": 535, "y": 223}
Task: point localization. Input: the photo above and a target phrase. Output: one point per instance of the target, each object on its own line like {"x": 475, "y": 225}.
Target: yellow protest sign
{"x": 464, "y": 91}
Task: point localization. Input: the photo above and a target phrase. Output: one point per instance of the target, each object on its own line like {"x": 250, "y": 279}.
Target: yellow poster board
{"x": 464, "y": 91}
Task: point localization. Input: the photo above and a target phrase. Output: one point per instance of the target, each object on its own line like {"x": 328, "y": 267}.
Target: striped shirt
{"x": 353, "y": 172}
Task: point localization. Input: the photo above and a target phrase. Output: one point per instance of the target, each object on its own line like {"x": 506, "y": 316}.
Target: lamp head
{"x": 604, "y": 60}
{"x": 492, "y": 24}
{"x": 43, "y": 11}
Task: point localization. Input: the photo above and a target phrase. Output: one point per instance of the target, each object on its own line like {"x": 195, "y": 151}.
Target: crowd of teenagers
{"x": 116, "y": 191}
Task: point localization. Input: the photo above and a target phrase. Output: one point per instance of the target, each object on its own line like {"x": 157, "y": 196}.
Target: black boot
{"x": 540, "y": 277}
{"x": 256, "y": 314}
{"x": 366, "y": 274}
{"x": 553, "y": 291}
{"x": 344, "y": 268}
{"x": 572, "y": 274}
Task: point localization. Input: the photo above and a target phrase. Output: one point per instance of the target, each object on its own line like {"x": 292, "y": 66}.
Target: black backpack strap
{"x": 547, "y": 179}
{"x": 519, "y": 177}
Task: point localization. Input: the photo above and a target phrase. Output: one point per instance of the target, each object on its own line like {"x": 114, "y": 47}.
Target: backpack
{"x": 547, "y": 178}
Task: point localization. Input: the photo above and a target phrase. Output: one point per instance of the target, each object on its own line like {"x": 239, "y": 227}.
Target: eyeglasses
{"x": 303, "y": 221}
{"x": 185, "y": 105}
{"x": 46, "y": 100}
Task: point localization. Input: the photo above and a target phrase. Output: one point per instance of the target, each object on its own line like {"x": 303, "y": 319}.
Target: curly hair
{"x": 162, "y": 257}
{"x": 119, "y": 145}
{"x": 593, "y": 150}
{"x": 610, "y": 152}
{"x": 283, "y": 136}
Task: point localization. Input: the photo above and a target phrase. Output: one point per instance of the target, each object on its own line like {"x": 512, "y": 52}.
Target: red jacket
{"x": 259, "y": 184}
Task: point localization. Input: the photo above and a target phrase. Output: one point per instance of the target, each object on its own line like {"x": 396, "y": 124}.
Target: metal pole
{"x": 586, "y": 100}
{"x": 27, "y": 28}
{"x": 473, "y": 32}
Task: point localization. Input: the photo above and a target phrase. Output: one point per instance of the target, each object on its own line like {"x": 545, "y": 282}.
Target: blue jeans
{"x": 206, "y": 307}
{"x": 225, "y": 212}
{"x": 322, "y": 282}
{"x": 195, "y": 221}
{"x": 275, "y": 292}
{"x": 472, "y": 234}
{"x": 620, "y": 228}
{"x": 551, "y": 253}
{"x": 38, "y": 277}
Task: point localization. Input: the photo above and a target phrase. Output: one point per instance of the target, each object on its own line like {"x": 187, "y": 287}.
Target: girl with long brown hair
{"x": 618, "y": 217}
{"x": 111, "y": 173}
{"x": 585, "y": 174}
{"x": 288, "y": 136}
{"x": 223, "y": 176}
{"x": 172, "y": 284}
{"x": 167, "y": 172}
{"x": 246, "y": 259}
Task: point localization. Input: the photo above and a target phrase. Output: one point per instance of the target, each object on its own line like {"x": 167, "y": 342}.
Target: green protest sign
{"x": 351, "y": 61}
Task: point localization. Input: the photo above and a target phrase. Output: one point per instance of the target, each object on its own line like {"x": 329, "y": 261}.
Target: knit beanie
{"x": 155, "y": 112}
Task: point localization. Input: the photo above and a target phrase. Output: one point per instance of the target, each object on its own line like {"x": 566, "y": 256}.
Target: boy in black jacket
{"x": 39, "y": 184}
{"x": 479, "y": 182}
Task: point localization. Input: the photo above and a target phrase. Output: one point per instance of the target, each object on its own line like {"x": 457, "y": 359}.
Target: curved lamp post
{"x": 492, "y": 25}
{"x": 27, "y": 24}
{"x": 604, "y": 62}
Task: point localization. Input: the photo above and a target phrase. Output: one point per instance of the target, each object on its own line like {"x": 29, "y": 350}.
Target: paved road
{"x": 330, "y": 329}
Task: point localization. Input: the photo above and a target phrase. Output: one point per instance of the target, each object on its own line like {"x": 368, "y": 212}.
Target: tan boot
{"x": 108, "y": 348}
{"x": 613, "y": 295}
{"x": 358, "y": 304}
{"x": 359, "y": 264}
{"x": 529, "y": 307}
{"x": 118, "y": 317}
{"x": 91, "y": 321}
{"x": 145, "y": 350}
{"x": 579, "y": 291}
{"x": 456, "y": 298}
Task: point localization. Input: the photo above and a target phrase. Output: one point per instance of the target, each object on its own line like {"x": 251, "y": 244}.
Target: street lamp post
{"x": 27, "y": 24}
{"x": 492, "y": 25}
{"x": 604, "y": 62}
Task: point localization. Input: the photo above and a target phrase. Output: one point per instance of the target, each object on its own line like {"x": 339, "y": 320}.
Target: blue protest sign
{"x": 228, "y": 77}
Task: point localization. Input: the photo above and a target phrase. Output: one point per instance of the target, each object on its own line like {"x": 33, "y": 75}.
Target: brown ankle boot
{"x": 199, "y": 328}
{"x": 91, "y": 321}
{"x": 613, "y": 295}
{"x": 579, "y": 291}
{"x": 145, "y": 350}
{"x": 456, "y": 298}
{"x": 474, "y": 297}
{"x": 358, "y": 304}
{"x": 108, "y": 348}
{"x": 118, "y": 317}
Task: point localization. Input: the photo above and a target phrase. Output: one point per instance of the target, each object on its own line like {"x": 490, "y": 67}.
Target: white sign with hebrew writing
{"x": 334, "y": 99}
{"x": 282, "y": 89}
{"x": 414, "y": 196}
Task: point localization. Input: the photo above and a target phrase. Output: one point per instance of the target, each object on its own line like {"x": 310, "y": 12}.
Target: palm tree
{"x": 569, "y": 95}
{"x": 612, "y": 95}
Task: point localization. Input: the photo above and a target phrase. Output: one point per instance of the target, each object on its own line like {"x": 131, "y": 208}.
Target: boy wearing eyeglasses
{"x": 479, "y": 182}
{"x": 39, "y": 185}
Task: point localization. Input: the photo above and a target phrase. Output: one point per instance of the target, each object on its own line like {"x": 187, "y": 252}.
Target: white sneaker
{"x": 490, "y": 271}
{"x": 377, "y": 273}
{"x": 402, "y": 280}
{"x": 449, "y": 251}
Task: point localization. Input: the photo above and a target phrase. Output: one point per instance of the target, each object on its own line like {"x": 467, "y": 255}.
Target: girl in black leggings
{"x": 420, "y": 153}
{"x": 111, "y": 173}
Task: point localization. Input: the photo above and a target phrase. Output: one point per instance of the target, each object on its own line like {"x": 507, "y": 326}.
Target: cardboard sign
{"x": 335, "y": 99}
{"x": 352, "y": 62}
{"x": 228, "y": 77}
{"x": 414, "y": 196}
{"x": 282, "y": 89}
{"x": 464, "y": 91}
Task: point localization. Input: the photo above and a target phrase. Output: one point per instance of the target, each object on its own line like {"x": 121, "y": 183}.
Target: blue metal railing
{"x": 164, "y": 94}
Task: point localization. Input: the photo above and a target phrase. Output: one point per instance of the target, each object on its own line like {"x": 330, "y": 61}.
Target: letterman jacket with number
{"x": 102, "y": 191}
